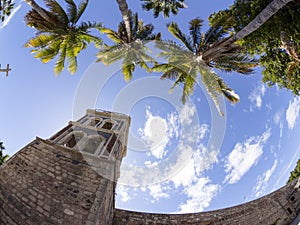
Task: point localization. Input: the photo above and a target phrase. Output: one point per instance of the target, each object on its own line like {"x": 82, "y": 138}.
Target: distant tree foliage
{"x": 3, "y": 158}
{"x": 277, "y": 42}
{"x": 5, "y": 8}
{"x": 295, "y": 173}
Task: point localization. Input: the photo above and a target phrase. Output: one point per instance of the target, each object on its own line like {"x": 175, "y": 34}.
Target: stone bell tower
{"x": 68, "y": 179}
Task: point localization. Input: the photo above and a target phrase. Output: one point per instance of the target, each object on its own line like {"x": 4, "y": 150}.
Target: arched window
{"x": 93, "y": 144}
{"x": 94, "y": 121}
{"x": 108, "y": 124}
{"x": 72, "y": 139}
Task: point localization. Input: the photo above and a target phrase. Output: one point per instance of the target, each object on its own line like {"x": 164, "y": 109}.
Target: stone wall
{"x": 279, "y": 207}
{"x": 47, "y": 184}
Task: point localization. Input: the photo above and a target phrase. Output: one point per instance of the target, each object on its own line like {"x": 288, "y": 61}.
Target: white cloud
{"x": 199, "y": 194}
{"x": 244, "y": 156}
{"x": 185, "y": 176}
{"x": 123, "y": 192}
{"x": 157, "y": 132}
{"x": 186, "y": 114}
{"x": 256, "y": 96}
{"x": 277, "y": 117}
{"x": 8, "y": 19}
{"x": 262, "y": 181}
{"x": 158, "y": 191}
{"x": 204, "y": 158}
{"x": 183, "y": 169}
{"x": 279, "y": 121}
{"x": 292, "y": 112}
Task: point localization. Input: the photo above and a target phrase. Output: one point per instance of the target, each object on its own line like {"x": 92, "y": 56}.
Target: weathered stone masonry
{"x": 70, "y": 179}
{"x": 280, "y": 206}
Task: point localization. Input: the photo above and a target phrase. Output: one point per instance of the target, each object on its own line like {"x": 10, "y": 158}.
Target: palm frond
{"x": 162, "y": 68}
{"x": 60, "y": 63}
{"x": 48, "y": 53}
{"x": 88, "y": 38}
{"x": 40, "y": 41}
{"x": 188, "y": 87}
{"x": 35, "y": 20}
{"x": 81, "y": 8}
{"x": 110, "y": 54}
{"x": 58, "y": 12}
{"x": 177, "y": 33}
{"x": 71, "y": 11}
{"x": 112, "y": 35}
{"x": 127, "y": 70}
{"x": 195, "y": 31}
{"x": 235, "y": 62}
{"x": 71, "y": 52}
{"x": 211, "y": 83}
{"x": 213, "y": 34}
{"x": 228, "y": 92}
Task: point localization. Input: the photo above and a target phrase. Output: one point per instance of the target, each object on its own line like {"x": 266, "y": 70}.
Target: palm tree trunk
{"x": 257, "y": 22}
{"x": 261, "y": 18}
{"x": 124, "y": 11}
{"x": 38, "y": 9}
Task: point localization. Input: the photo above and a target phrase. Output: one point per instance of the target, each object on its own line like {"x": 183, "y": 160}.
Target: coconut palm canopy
{"x": 129, "y": 46}
{"x": 163, "y": 6}
{"x": 59, "y": 34}
{"x": 187, "y": 61}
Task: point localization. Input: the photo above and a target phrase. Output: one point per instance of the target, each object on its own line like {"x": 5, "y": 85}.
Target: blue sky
{"x": 181, "y": 158}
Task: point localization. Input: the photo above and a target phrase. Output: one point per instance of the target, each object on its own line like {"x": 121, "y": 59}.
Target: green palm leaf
{"x": 81, "y": 8}
{"x": 195, "y": 31}
{"x": 112, "y": 35}
{"x": 60, "y": 36}
{"x": 71, "y": 11}
{"x": 210, "y": 81}
{"x": 48, "y": 53}
{"x": 40, "y": 41}
{"x": 127, "y": 70}
{"x": 58, "y": 12}
{"x": 60, "y": 63}
{"x": 71, "y": 57}
{"x": 176, "y": 32}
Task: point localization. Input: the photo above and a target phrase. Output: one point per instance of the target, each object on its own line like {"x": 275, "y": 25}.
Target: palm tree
{"x": 163, "y": 6}
{"x": 5, "y": 8}
{"x": 258, "y": 21}
{"x": 187, "y": 60}
{"x": 58, "y": 33}
{"x": 129, "y": 47}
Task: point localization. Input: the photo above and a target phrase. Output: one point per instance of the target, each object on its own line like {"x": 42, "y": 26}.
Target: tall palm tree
{"x": 5, "y": 8}
{"x": 129, "y": 47}
{"x": 186, "y": 61}
{"x": 163, "y": 6}
{"x": 58, "y": 33}
{"x": 258, "y": 21}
